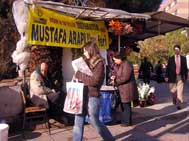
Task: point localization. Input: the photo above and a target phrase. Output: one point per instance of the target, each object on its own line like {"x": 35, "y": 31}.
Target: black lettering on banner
{"x": 62, "y": 36}
{"x": 70, "y": 38}
{"x": 46, "y": 33}
{"x": 79, "y": 38}
{"x": 34, "y": 32}
{"x": 51, "y": 33}
{"x": 102, "y": 41}
{"x": 74, "y": 37}
{"x": 82, "y": 37}
{"x": 56, "y": 39}
{"x": 87, "y": 26}
{"x": 41, "y": 33}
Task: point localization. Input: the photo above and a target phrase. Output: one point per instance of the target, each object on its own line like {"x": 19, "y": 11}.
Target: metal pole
{"x": 188, "y": 9}
{"x": 24, "y": 77}
{"x": 119, "y": 41}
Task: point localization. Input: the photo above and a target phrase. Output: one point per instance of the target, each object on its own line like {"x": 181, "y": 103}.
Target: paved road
{"x": 159, "y": 122}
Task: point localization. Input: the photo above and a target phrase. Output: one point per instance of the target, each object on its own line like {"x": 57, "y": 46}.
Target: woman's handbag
{"x": 116, "y": 100}
{"x": 74, "y": 99}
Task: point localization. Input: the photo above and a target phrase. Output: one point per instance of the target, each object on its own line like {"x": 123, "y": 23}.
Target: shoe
{"x": 118, "y": 122}
{"x": 125, "y": 125}
{"x": 174, "y": 101}
{"x": 178, "y": 107}
{"x": 64, "y": 120}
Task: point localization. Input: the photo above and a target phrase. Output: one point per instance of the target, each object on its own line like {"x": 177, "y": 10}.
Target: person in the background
{"x": 187, "y": 60}
{"x": 112, "y": 67}
{"x": 145, "y": 70}
{"x": 92, "y": 93}
{"x": 177, "y": 73}
{"x": 159, "y": 71}
{"x": 125, "y": 81}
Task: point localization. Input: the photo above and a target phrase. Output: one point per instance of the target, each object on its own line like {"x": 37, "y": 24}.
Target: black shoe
{"x": 178, "y": 107}
{"x": 118, "y": 122}
{"x": 174, "y": 101}
{"x": 125, "y": 125}
{"x": 64, "y": 120}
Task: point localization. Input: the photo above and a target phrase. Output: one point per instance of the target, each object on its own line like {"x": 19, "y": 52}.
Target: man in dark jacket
{"x": 177, "y": 74}
{"x": 145, "y": 70}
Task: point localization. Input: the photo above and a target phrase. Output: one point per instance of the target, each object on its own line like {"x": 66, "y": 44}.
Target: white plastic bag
{"x": 74, "y": 99}
{"x": 20, "y": 13}
{"x": 21, "y": 55}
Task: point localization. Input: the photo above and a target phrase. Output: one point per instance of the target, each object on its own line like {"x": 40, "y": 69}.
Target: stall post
{"x": 119, "y": 42}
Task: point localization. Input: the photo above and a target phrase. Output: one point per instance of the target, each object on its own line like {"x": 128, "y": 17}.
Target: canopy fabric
{"x": 159, "y": 24}
{"x": 89, "y": 13}
{"x": 156, "y": 23}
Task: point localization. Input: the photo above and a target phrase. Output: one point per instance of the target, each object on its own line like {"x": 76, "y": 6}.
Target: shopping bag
{"x": 74, "y": 99}
{"x": 116, "y": 99}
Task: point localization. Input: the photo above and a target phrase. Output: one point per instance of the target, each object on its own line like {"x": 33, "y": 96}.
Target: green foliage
{"x": 177, "y": 37}
{"x": 8, "y": 38}
{"x": 161, "y": 47}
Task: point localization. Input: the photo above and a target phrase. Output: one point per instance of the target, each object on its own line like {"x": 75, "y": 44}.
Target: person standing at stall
{"x": 125, "y": 81}
{"x": 92, "y": 87}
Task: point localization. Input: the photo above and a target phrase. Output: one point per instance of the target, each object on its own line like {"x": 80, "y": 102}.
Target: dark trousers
{"x": 126, "y": 113}
{"x": 55, "y": 106}
{"x": 146, "y": 80}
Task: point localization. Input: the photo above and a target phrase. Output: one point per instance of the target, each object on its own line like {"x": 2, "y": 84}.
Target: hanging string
{"x": 81, "y": 3}
{"x": 78, "y": 3}
{"x": 159, "y": 28}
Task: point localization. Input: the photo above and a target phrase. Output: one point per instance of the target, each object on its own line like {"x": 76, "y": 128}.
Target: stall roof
{"x": 89, "y": 13}
{"x": 156, "y": 23}
{"x": 159, "y": 24}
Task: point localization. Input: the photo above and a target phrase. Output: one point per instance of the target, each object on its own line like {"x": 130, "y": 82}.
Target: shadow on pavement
{"x": 167, "y": 124}
{"x": 27, "y": 136}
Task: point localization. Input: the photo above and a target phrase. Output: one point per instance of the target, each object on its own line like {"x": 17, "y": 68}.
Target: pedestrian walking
{"x": 91, "y": 92}
{"x": 177, "y": 74}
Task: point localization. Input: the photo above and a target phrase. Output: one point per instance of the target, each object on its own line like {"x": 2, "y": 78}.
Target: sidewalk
{"x": 159, "y": 122}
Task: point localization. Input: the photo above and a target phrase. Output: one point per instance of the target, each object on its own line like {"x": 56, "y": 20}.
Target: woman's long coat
{"x": 125, "y": 81}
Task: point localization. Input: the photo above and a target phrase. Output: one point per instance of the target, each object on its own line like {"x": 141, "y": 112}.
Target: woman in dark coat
{"x": 125, "y": 81}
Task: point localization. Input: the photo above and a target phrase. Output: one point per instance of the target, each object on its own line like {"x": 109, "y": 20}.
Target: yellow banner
{"x": 49, "y": 28}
